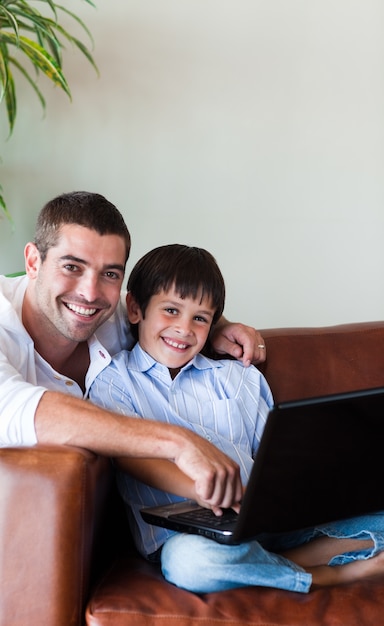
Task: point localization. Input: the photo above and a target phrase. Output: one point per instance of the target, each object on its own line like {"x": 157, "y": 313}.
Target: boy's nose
{"x": 183, "y": 327}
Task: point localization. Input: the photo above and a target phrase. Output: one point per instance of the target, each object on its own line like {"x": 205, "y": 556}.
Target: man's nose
{"x": 89, "y": 287}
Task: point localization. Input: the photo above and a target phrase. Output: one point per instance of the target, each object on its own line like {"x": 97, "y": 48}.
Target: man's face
{"x": 78, "y": 285}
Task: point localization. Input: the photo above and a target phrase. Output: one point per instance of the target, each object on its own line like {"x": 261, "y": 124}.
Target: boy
{"x": 175, "y": 294}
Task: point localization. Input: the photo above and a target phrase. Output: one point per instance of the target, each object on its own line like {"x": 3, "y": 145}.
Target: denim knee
{"x": 183, "y": 562}
{"x": 201, "y": 565}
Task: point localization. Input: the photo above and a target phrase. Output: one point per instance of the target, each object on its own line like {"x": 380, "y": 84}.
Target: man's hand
{"x": 216, "y": 477}
{"x": 242, "y": 342}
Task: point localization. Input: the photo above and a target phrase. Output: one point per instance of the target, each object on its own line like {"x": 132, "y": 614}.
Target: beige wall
{"x": 251, "y": 127}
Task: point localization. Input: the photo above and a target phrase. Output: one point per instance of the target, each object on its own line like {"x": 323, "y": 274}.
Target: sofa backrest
{"x": 309, "y": 362}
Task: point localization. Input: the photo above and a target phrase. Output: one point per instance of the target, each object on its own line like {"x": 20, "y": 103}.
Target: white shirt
{"x": 25, "y": 375}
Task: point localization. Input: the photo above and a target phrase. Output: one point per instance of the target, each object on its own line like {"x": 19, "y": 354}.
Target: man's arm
{"x": 238, "y": 340}
{"x": 61, "y": 419}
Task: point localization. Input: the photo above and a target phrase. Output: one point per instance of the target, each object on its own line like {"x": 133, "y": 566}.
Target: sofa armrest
{"x": 51, "y": 499}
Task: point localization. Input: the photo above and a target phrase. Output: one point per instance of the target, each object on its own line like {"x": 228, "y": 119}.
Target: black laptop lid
{"x": 319, "y": 460}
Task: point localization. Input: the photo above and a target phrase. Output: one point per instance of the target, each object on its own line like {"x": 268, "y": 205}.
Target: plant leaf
{"x": 40, "y": 58}
{"x": 78, "y": 20}
{"x": 79, "y": 44}
{"x": 45, "y": 53}
{"x": 42, "y": 27}
{"x": 30, "y": 80}
{"x": 4, "y": 207}
{"x": 10, "y": 100}
{"x": 3, "y": 74}
{"x": 9, "y": 16}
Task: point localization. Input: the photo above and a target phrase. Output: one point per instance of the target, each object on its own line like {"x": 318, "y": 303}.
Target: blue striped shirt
{"x": 221, "y": 401}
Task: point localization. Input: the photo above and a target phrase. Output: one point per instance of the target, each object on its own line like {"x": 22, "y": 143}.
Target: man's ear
{"x": 133, "y": 309}
{"x": 32, "y": 260}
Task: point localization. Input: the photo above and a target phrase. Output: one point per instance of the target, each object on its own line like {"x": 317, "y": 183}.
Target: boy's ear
{"x": 133, "y": 309}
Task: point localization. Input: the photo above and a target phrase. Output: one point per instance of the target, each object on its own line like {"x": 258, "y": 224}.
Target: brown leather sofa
{"x": 66, "y": 556}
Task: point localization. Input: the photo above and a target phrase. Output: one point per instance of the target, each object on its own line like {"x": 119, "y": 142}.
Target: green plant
{"x": 37, "y": 38}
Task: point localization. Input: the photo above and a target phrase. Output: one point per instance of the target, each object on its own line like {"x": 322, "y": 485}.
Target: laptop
{"x": 319, "y": 460}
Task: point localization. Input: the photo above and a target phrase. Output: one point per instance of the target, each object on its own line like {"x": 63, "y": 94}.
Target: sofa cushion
{"x": 134, "y": 593}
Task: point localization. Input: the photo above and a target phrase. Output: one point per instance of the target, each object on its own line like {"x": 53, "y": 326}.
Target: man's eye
{"x": 113, "y": 275}
{"x": 70, "y": 268}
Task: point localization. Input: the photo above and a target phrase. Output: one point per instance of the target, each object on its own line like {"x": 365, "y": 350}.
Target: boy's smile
{"x": 174, "y": 329}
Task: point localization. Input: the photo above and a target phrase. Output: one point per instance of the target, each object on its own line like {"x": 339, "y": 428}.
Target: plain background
{"x": 253, "y": 128}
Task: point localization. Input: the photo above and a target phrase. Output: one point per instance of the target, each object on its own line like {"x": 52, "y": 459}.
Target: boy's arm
{"x": 160, "y": 474}
{"x": 166, "y": 476}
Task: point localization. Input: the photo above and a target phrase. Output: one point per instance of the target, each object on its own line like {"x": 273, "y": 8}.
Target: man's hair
{"x": 82, "y": 208}
{"x": 193, "y": 272}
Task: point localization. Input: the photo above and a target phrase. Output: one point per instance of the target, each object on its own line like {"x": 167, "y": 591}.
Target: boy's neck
{"x": 174, "y": 371}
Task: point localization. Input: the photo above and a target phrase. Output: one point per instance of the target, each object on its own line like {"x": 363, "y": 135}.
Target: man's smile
{"x": 81, "y": 310}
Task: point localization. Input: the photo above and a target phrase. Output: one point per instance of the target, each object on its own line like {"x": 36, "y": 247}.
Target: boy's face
{"x": 174, "y": 330}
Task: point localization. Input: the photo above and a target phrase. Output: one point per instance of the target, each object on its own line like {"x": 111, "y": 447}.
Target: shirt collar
{"x": 141, "y": 361}
{"x": 99, "y": 358}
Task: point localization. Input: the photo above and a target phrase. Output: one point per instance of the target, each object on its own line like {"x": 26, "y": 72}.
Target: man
{"x": 58, "y": 327}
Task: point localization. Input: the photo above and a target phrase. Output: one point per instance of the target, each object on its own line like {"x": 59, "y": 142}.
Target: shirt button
{"x": 69, "y": 383}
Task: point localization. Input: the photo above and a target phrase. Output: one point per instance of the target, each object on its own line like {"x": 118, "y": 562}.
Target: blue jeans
{"x": 202, "y": 565}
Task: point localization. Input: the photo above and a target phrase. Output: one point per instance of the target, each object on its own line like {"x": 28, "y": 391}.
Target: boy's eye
{"x": 171, "y": 311}
{"x": 200, "y": 318}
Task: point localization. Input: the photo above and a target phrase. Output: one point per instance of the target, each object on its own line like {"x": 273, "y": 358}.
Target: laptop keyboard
{"x": 205, "y": 517}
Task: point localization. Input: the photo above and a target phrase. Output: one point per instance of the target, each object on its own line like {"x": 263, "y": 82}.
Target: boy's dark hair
{"x": 191, "y": 271}
{"x": 82, "y": 208}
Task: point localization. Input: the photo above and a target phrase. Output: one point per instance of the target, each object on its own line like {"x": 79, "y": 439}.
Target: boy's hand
{"x": 242, "y": 342}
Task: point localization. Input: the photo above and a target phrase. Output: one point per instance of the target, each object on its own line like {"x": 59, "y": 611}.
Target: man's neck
{"x": 66, "y": 357}
{"x": 76, "y": 365}
{"x": 72, "y": 363}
